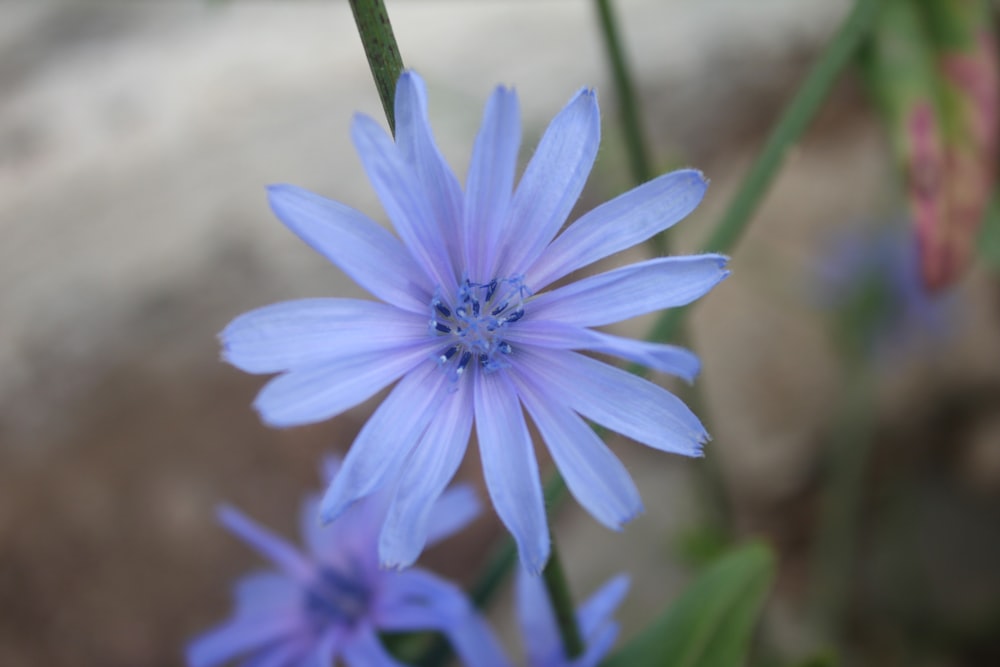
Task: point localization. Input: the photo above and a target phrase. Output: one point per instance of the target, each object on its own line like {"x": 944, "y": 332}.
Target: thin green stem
{"x": 789, "y": 129}
{"x": 847, "y": 462}
{"x": 562, "y": 603}
{"x": 383, "y": 56}
{"x": 627, "y": 106}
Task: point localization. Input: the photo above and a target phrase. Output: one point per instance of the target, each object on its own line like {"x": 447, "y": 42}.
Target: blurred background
{"x": 135, "y": 143}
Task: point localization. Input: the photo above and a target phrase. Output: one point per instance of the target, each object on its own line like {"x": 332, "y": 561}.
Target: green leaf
{"x": 711, "y": 624}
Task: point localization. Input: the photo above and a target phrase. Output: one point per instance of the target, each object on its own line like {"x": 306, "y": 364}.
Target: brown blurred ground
{"x": 134, "y": 145}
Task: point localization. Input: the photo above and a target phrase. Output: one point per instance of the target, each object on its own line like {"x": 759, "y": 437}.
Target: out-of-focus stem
{"x": 562, "y": 603}
{"x": 789, "y": 129}
{"x": 383, "y": 56}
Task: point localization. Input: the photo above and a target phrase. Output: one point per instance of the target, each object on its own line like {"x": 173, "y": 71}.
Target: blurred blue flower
{"x": 872, "y": 278}
{"x": 331, "y": 601}
{"x": 470, "y": 326}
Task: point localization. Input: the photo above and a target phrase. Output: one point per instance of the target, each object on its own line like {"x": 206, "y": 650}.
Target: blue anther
{"x": 443, "y": 328}
{"x": 441, "y": 308}
{"x": 515, "y": 316}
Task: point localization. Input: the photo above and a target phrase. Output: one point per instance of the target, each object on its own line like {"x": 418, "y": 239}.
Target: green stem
{"x": 383, "y": 56}
{"x": 627, "y": 107}
{"x": 562, "y": 603}
{"x": 789, "y": 129}
{"x": 847, "y": 462}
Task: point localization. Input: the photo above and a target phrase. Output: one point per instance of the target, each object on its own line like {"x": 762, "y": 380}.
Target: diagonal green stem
{"x": 562, "y": 603}
{"x": 785, "y": 134}
{"x": 383, "y": 56}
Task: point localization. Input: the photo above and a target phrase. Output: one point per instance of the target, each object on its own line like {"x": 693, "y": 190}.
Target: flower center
{"x": 474, "y": 326}
{"x": 337, "y": 599}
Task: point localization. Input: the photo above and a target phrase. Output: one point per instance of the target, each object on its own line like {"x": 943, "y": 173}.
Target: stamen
{"x": 474, "y": 324}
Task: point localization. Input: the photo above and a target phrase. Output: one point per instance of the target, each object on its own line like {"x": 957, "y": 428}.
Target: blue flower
{"x": 469, "y": 323}
{"x": 332, "y": 600}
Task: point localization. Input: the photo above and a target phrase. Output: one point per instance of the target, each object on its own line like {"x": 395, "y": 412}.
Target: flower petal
{"x": 365, "y": 650}
{"x": 404, "y": 200}
{"x": 552, "y": 181}
{"x": 510, "y": 467}
{"x": 601, "y": 606}
{"x": 631, "y": 290}
{"x": 355, "y": 243}
{"x": 267, "y": 593}
{"x": 625, "y": 403}
{"x": 280, "y": 655}
{"x": 657, "y": 356}
{"x": 295, "y": 334}
{"x": 418, "y": 508}
{"x": 621, "y": 223}
{"x": 490, "y": 182}
{"x": 598, "y": 646}
{"x": 272, "y": 547}
{"x": 323, "y": 652}
{"x": 236, "y": 637}
{"x": 457, "y": 507}
{"x": 594, "y": 475}
{"x": 315, "y": 393}
{"x": 417, "y": 146}
{"x": 381, "y": 448}
{"x": 416, "y": 600}
{"x": 537, "y": 621}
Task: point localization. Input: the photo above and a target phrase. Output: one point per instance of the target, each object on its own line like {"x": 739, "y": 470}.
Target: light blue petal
{"x": 381, "y": 448}
{"x": 351, "y": 240}
{"x": 416, "y": 506}
{"x": 598, "y": 646}
{"x": 416, "y": 600}
{"x": 657, "y": 356}
{"x": 281, "y": 655}
{"x": 594, "y": 475}
{"x": 272, "y": 547}
{"x": 510, "y": 468}
{"x": 417, "y": 146}
{"x": 631, "y": 290}
{"x": 312, "y": 394}
{"x": 404, "y": 200}
{"x": 267, "y": 593}
{"x": 490, "y": 183}
{"x": 365, "y": 650}
{"x": 295, "y": 334}
{"x": 622, "y": 402}
{"x": 539, "y": 630}
{"x": 323, "y": 653}
{"x": 552, "y": 181}
{"x": 237, "y": 637}
{"x": 454, "y": 510}
{"x": 621, "y": 223}
{"x": 601, "y": 606}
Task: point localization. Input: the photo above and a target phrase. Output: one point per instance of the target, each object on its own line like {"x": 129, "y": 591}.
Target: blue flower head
{"x": 469, "y": 323}
{"x": 330, "y": 601}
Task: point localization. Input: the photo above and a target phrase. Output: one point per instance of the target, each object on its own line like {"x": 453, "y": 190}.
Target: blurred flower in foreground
{"x": 873, "y": 280}
{"x": 476, "y": 265}
{"x": 333, "y": 600}
{"x": 543, "y": 643}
